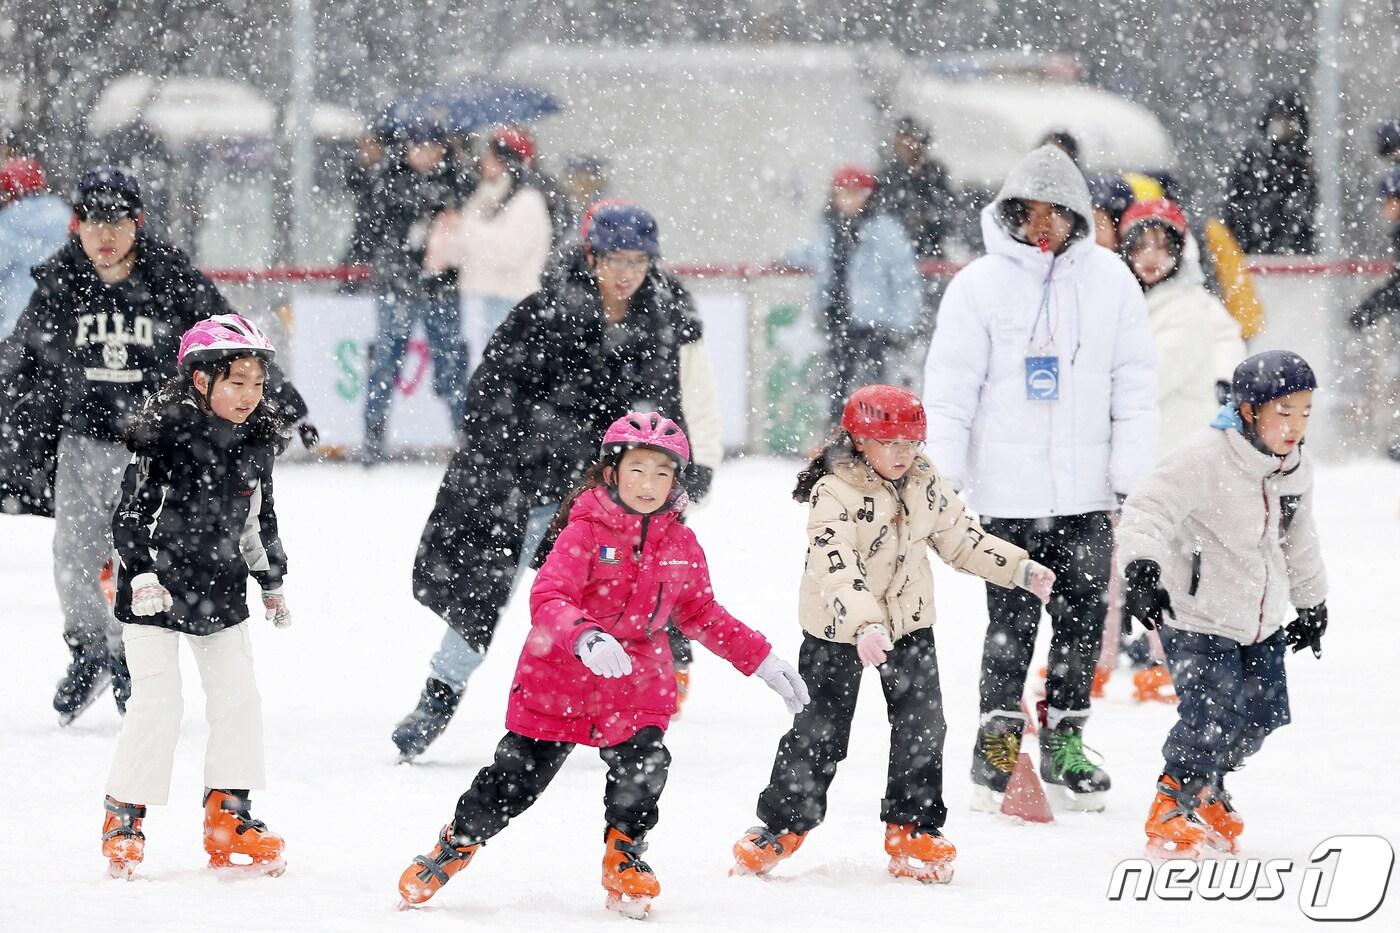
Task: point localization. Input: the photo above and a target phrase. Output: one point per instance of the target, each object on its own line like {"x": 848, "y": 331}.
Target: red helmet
{"x": 853, "y": 177}
{"x": 1161, "y": 211}
{"x": 21, "y": 177}
{"x": 515, "y": 140}
{"x": 650, "y": 430}
{"x": 885, "y": 413}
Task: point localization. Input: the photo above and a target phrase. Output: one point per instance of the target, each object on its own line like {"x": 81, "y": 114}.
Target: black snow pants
{"x": 795, "y": 798}
{"x": 1079, "y": 548}
{"x": 523, "y": 768}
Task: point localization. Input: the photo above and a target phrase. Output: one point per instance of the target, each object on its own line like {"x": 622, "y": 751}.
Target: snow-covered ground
{"x": 334, "y": 684}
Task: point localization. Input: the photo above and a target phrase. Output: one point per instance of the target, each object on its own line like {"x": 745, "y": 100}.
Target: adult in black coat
{"x": 1272, "y": 193}
{"x": 608, "y": 333}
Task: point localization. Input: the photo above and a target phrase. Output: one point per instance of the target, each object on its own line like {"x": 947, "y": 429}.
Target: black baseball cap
{"x": 106, "y": 195}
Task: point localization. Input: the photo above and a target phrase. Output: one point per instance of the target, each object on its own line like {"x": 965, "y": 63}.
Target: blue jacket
{"x": 884, "y": 286}
{"x": 31, "y": 230}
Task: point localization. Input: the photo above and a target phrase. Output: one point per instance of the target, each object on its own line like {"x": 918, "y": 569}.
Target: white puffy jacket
{"x": 1198, "y": 344}
{"x": 1013, "y": 457}
{"x": 1232, "y": 529}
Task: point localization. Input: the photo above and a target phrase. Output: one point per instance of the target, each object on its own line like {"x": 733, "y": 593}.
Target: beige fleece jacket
{"x": 867, "y": 550}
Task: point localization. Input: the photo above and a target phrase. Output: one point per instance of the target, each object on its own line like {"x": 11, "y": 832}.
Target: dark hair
{"x": 839, "y": 444}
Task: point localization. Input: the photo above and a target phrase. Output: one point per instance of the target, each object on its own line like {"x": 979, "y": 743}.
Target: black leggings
{"x": 523, "y": 768}
{"x": 795, "y": 798}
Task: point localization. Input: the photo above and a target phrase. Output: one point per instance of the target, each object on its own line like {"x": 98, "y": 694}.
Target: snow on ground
{"x": 334, "y": 684}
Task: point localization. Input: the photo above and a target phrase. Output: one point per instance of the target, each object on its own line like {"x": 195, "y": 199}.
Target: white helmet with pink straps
{"x": 651, "y": 430}
{"x": 222, "y": 337}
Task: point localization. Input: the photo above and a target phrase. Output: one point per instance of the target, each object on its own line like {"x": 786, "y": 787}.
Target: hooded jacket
{"x": 867, "y": 549}
{"x": 1017, "y": 457}
{"x": 626, "y": 574}
{"x": 1201, "y": 343}
{"x": 1233, "y": 530}
{"x": 197, "y": 511}
{"x": 553, "y": 377}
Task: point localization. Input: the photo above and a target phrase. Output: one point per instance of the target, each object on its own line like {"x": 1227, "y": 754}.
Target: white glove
{"x": 785, "y": 681}
{"x": 602, "y": 655}
{"x": 147, "y": 595}
{"x": 1037, "y": 578}
{"x": 872, "y": 645}
{"x": 276, "y": 605}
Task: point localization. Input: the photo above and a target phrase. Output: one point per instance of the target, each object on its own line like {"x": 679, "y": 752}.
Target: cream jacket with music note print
{"x": 867, "y": 549}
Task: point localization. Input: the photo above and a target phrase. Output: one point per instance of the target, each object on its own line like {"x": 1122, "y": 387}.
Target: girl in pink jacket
{"x": 596, "y": 668}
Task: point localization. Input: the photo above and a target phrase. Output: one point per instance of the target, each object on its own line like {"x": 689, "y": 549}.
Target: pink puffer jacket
{"x": 627, "y": 575}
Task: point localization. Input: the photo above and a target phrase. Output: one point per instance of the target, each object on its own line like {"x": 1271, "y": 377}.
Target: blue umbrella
{"x": 466, "y": 106}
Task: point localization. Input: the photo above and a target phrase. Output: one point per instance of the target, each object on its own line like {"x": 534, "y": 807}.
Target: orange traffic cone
{"x": 1025, "y": 797}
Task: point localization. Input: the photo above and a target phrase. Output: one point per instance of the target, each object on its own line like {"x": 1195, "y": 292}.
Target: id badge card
{"x": 1043, "y": 378}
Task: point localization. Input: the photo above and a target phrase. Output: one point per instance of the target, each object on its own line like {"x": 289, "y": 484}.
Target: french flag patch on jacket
{"x": 607, "y": 554}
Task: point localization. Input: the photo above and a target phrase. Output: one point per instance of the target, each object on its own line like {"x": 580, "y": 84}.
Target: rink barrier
{"x": 767, "y": 390}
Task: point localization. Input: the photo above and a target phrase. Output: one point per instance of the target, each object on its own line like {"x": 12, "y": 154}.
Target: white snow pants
{"x": 146, "y": 747}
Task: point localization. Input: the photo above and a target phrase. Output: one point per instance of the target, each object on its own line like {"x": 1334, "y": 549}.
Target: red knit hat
{"x": 853, "y": 177}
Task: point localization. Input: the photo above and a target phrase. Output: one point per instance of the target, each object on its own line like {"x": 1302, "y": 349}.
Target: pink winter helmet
{"x": 222, "y": 337}
{"x": 650, "y": 430}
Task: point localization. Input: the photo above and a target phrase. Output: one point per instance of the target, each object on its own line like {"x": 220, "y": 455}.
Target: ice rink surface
{"x": 334, "y": 684}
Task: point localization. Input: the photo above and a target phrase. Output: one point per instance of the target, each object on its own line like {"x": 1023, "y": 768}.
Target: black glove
{"x": 310, "y": 437}
{"x": 1143, "y": 597}
{"x": 697, "y": 481}
{"x": 1308, "y": 629}
{"x": 1223, "y": 392}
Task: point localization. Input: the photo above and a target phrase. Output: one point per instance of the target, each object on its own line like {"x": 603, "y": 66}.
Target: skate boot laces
{"x": 1001, "y": 749}
{"x": 1067, "y": 752}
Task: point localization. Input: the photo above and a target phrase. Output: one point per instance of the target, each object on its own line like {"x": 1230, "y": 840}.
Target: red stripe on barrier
{"x": 931, "y": 268}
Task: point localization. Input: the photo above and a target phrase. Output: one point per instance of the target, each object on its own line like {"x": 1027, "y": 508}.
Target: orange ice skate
{"x": 761, "y": 849}
{"x": 230, "y": 830}
{"x": 428, "y": 873}
{"x": 918, "y": 853}
{"x": 1223, "y": 824}
{"x": 1153, "y": 685}
{"x": 123, "y": 843}
{"x": 1173, "y": 831}
{"x": 630, "y": 882}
